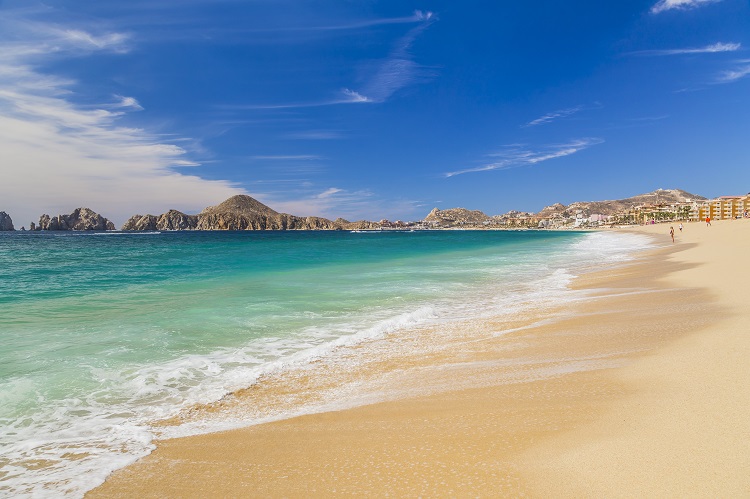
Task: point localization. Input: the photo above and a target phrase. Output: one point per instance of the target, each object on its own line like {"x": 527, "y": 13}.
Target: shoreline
{"x": 486, "y": 439}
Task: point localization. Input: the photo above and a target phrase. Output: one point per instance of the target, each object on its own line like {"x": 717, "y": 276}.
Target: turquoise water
{"x": 101, "y": 334}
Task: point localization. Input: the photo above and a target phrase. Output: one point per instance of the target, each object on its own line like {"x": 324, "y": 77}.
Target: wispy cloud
{"x": 344, "y": 96}
{"x": 388, "y": 76}
{"x": 708, "y": 49}
{"x": 315, "y": 135}
{"x": 555, "y": 115}
{"x": 288, "y": 157}
{"x": 399, "y": 69}
{"x": 515, "y": 155}
{"x": 740, "y": 71}
{"x": 128, "y": 103}
{"x": 56, "y": 155}
{"x": 116, "y": 42}
{"x": 417, "y": 16}
{"x": 664, "y": 5}
{"x": 328, "y": 193}
{"x": 333, "y": 203}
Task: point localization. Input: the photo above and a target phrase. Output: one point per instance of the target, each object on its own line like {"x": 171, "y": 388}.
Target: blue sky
{"x": 368, "y": 109}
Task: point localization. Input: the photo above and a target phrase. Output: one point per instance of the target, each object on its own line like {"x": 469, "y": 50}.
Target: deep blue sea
{"x": 101, "y": 334}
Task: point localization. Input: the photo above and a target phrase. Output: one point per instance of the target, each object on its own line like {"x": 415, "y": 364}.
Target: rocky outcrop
{"x": 239, "y": 213}
{"x": 5, "y": 222}
{"x": 548, "y": 211}
{"x": 359, "y": 225}
{"x": 456, "y": 216}
{"x": 171, "y": 220}
{"x": 80, "y": 219}
{"x": 245, "y": 213}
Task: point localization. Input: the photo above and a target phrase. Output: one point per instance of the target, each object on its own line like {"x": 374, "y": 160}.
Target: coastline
{"x": 531, "y": 429}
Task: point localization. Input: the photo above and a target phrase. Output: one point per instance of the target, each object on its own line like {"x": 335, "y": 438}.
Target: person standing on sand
{"x": 708, "y": 221}
{"x": 680, "y": 226}
{"x": 671, "y": 233}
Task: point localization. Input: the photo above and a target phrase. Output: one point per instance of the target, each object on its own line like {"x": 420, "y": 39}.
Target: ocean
{"x": 104, "y": 334}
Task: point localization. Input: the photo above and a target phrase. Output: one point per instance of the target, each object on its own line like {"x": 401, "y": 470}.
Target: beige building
{"x": 721, "y": 208}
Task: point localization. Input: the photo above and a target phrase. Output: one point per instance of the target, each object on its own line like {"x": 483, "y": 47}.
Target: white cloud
{"x": 708, "y": 49}
{"x": 387, "y": 76}
{"x": 350, "y": 96}
{"x": 107, "y": 41}
{"x": 664, "y": 5}
{"x": 741, "y": 71}
{"x": 56, "y": 156}
{"x": 398, "y": 70}
{"x": 288, "y": 157}
{"x": 547, "y": 118}
{"x": 515, "y": 155}
{"x": 128, "y": 102}
{"x": 328, "y": 193}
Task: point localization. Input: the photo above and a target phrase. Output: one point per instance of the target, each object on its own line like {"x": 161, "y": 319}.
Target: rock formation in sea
{"x": 240, "y": 213}
{"x": 245, "y": 213}
{"x": 171, "y": 220}
{"x": 80, "y": 219}
{"x": 5, "y": 221}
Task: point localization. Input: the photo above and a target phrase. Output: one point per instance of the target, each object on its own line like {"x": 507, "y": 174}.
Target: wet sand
{"x": 641, "y": 387}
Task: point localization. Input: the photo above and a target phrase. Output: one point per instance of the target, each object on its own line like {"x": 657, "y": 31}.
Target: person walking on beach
{"x": 671, "y": 233}
{"x": 680, "y": 226}
{"x": 708, "y": 221}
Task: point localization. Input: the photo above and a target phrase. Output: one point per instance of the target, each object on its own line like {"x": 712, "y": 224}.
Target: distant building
{"x": 721, "y": 208}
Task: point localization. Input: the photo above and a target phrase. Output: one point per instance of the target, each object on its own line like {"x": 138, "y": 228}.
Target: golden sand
{"x": 641, "y": 388}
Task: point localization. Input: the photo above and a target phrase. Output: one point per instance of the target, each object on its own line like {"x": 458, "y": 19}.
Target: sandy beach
{"x": 642, "y": 387}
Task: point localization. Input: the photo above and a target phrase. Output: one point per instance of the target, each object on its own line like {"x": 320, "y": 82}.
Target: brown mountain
{"x": 659, "y": 196}
{"x": 239, "y": 213}
{"x": 245, "y": 213}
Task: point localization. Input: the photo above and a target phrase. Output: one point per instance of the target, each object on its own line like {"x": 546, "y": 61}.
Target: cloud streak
{"x": 391, "y": 74}
{"x": 516, "y": 156}
{"x": 665, "y": 5}
{"x": 399, "y": 69}
{"x": 288, "y": 157}
{"x": 550, "y": 117}
{"x": 714, "y": 48}
{"x": 742, "y": 70}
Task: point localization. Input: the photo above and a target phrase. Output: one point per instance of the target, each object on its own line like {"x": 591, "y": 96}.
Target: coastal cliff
{"x": 171, "y": 220}
{"x": 6, "y": 224}
{"x": 80, "y": 219}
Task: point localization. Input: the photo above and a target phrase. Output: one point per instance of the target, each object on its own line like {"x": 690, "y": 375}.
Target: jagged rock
{"x": 80, "y": 219}
{"x": 5, "y": 222}
{"x": 245, "y": 213}
{"x": 32, "y": 226}
{"x": 239, "y": 213}
{"x": 140, "y": 222}
{"x": 456, "y": 216}
{"x": 171, "y": 220}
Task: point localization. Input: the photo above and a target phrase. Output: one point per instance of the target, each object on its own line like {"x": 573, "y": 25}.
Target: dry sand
{"x": 643, "y": 390}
